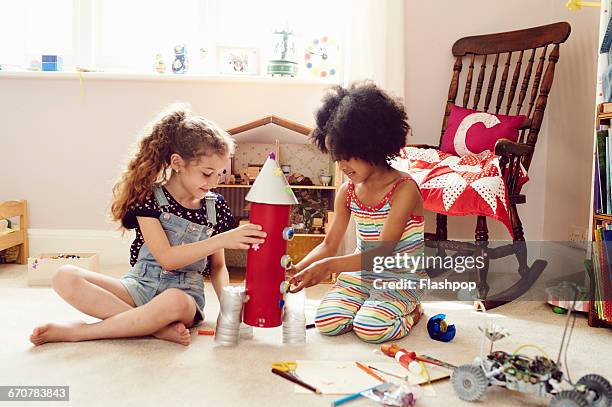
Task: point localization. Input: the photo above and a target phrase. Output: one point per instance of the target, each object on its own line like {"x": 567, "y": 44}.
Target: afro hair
{"x": 361, "y": 121}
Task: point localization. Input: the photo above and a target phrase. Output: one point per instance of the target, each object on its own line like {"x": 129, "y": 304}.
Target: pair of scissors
{"x": 286, "y": 367}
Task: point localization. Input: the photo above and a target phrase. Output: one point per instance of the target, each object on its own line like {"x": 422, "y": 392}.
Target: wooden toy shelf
{"x": 15, "y": 236}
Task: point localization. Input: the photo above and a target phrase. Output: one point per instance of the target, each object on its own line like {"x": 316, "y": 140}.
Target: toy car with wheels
{"x": 539, "y": 375}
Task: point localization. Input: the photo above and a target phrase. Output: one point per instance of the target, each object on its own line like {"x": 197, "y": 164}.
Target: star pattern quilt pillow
{"x": 459, "y": 186}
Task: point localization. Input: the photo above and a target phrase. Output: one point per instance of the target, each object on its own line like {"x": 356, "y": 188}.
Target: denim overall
{"x": 147, "y": 279}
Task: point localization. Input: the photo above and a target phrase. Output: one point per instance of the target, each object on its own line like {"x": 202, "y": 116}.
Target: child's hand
{"x": 311, "y": 275}
{"x": 292, "y": 271}
{"x": 243, "y": 237}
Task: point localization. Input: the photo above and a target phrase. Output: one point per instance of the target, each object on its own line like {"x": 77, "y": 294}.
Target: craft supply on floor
{"x": 395, "y": 395}
{"x": 392, "y": 350}
{"x": 424, "y": 372}
{"x": 230, "y": 315}
{"x": 405, "y": 358}
{"x": 295, "y": 380}
{"x": 286, "y": 366}
{"x": 439, "y": 330}
{"x": 359, "y": 394}
{"x": 370, "y": 372}
{"x": 344, "y": 377}
{"x": 438, "y": 362}
{"x": 206, "y": 332}
{"x": 405, "y": 378}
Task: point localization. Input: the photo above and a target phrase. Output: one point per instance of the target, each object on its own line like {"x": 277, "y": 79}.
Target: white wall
{"x": 558, "y": 192}
{"x": 63, "y": 152}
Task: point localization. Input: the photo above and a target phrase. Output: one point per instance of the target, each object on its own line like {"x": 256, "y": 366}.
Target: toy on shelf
{"x": 266, "y": 292}
{"x": 539, "y": 376}
{"x": 284, "y": 61}
{"x": 226, "y": 175}
{"x": 160, "y": 65}
{"x": 299, "y": 179}
{"x": 52, "y": 63}
{"x": 35, "y": 65}
{"x": 317, "y": 225}
{"x": 439, "y": 330}
{"x": 252, "y": 172}
{"x": 324, "y": 178}
{"x": 180, "y": 64}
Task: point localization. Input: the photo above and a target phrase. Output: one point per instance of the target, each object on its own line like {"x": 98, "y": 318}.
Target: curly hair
{"x": 361, "y": 121}
{"x": 175, "y": 130}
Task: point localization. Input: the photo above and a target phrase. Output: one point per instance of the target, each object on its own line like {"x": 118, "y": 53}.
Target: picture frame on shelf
{"x": 238, "y": 61}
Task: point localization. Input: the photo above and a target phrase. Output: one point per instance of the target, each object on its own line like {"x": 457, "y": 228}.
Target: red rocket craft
{"x": 271, "y": 198}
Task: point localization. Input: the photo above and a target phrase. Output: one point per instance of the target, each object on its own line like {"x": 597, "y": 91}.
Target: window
{"x": 133, "y": 32}
{"x": 31, "y": 28}
{"x": 117, "y": 35}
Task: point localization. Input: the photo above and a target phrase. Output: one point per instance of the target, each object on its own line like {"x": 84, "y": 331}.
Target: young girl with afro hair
{"x": 363, "y": 129}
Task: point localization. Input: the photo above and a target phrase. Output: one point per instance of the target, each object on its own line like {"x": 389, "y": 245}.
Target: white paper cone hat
{"x": 270, "y": 186}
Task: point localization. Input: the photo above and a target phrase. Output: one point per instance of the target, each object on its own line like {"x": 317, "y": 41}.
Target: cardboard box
{"x": 41, "y": 269}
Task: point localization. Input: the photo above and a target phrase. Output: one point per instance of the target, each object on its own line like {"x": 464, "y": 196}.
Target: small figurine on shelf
{"x": 317, "y": 225}
{"x": 325, "y": 179}
{"x": 225, "y": 174}
{"x": 286, "y": 169}
{"x": 238, "y": 179}
{"x": 180, "y": 64}
{"x": 284, "y": 60}
{"x": 252, "y": 171}
{"x": 160, "y": 66}
{"x": 35, "y": 65}
{"x": 244, "y": 176}
{"x": 299, "y": 179}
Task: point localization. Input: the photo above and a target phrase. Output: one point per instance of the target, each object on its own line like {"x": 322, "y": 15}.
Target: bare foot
{"x": 176, "y": 332}
{"x": 54, "y": 333}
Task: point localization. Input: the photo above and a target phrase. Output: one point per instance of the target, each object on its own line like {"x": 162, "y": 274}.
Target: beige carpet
{"x": 150, "y": 372}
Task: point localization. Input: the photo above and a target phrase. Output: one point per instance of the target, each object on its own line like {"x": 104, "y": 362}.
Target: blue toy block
{"x": 52, "y": 63}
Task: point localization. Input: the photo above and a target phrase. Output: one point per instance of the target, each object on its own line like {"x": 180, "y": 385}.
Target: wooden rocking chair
{"x": 503, "y": 50}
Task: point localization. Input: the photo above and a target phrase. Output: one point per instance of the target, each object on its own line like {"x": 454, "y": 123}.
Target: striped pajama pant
{"x": 374, "y": 315}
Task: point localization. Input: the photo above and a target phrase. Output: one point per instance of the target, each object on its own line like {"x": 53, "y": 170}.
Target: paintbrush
{"x": 405, "y": 378}
{"x": 295, "y": 380}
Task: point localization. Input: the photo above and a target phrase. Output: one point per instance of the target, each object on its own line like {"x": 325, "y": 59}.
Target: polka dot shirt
{"x": 150, "y": 208}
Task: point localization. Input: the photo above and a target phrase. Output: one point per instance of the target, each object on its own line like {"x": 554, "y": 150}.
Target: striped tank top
{"x": 370, "y": 220}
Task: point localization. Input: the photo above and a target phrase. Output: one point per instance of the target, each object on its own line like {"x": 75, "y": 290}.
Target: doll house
{"x": 313, "y": 177}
